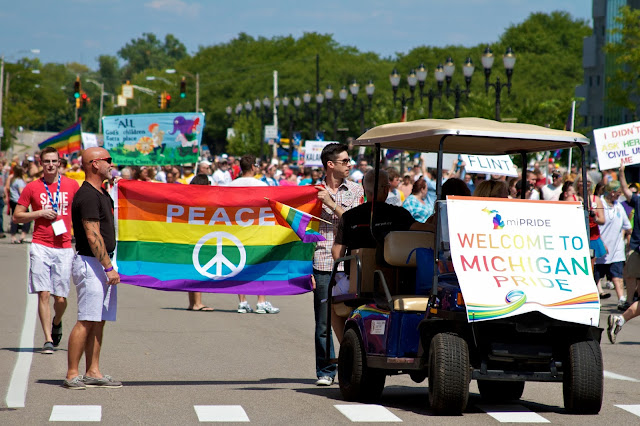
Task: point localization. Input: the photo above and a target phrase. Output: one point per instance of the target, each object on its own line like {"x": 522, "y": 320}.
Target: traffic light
{"x": 78, "y": 102}
{"x": 84, "y": 99}
{"x": 76, "y": 88}
{"x": 167, "y": 100}
{"x": 163, "y": 102}
{"x": 183, "y": 88}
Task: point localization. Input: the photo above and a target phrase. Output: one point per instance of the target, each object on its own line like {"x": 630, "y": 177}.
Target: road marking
{"x": 610, "y": 375}
{"x": 76, "y": 413}
{"x": 633, "y": 409}
{"x": 367, "y": 413}
{"x": 512, "y": 414}
{"x": 17, "y": 392}
{"x": 221, "y": 413}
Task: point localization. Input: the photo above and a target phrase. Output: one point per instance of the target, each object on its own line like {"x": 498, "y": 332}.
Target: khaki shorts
{"x": 632, "y": 267}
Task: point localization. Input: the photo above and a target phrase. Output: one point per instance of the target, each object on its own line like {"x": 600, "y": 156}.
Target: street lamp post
{"x": 101, "y": 86}
{"x": 509, "y": 61}
{"x": 467, "y": 70}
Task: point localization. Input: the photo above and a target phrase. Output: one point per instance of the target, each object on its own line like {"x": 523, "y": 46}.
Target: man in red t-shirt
{"x": 51, "y": 253}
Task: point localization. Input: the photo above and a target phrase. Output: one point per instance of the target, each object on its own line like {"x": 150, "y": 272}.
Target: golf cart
{"x": 411, "y": 316}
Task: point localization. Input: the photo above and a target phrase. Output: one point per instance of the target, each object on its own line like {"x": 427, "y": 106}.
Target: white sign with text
{"x": 617, "y": 143}
{"x": 489, "y": 164}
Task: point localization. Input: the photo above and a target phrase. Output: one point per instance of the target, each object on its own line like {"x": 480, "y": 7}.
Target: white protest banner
{"x": 513, "y": 256}
{"x": 489, "y": 164}
{"x": 89, "y": 140}
{"x": 312, "y": 151}
{"x": 430, "y": 159}
{"x": 617, "y": 143}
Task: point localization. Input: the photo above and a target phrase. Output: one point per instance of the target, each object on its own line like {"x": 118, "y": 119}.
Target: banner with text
{"x": 489, "y": 164}
{"x": 150, "y": 139}
{"x": 513, "y": 257}
{"x": 617, "y": 143}
{"x": 312, "y": 151}
{"x": 215, "y": 239}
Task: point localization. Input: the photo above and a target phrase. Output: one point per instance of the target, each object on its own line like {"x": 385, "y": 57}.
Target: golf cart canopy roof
{"x": 469, "y": 136}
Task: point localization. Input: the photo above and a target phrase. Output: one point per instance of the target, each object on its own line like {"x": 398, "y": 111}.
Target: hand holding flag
{"x": 297, "y": 220}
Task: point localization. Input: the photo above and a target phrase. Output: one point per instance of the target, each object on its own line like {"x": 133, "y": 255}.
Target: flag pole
{"x": 315, "y": 217}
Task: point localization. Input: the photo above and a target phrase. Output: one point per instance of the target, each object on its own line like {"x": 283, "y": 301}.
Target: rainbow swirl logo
{"x": 498, "y": 223}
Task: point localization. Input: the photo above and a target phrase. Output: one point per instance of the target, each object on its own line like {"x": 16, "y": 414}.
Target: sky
{"x": 81, "y": 30}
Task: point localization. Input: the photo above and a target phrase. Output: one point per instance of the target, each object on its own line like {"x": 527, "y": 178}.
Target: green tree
{"x": 624, "y": 49}
{"x": 150, "y": 52}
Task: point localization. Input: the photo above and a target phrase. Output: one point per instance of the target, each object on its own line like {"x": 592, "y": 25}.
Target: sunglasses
{"x": 50, "y": 161}
{"x": 107, "y": 159}
{"x": 344, "y": 162}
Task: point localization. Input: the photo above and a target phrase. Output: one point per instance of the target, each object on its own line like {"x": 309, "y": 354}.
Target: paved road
{"x": 183, "y": 367}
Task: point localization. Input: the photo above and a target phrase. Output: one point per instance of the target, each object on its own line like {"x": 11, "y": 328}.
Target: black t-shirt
{"x": 353, "y": 228}
{"x": 89, "y": 203}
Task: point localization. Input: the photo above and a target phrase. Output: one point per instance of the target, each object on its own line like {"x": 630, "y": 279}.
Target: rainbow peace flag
{"x": 67, "y": 141}
{"x": 297, "y": 220}
{"x": 212, "y": 239}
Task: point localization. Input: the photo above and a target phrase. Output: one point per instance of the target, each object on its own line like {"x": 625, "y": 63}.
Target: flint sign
{"x": 489, "y": 164}
{"x": 617, "y": 144}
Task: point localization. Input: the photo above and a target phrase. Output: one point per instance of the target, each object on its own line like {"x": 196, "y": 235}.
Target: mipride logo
{"x": 498, "y": 223}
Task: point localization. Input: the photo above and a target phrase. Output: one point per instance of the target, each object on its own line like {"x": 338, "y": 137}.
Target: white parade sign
{"x": 617, "y": 143}
{"x": 513, "y": 256}
{"x": 127, "y": 91}
{"x": 312, "y": 151}
{"x": 489, "y": 164}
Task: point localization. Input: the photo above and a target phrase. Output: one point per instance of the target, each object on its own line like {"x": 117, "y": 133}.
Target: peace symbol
{"x": 219, "y": 260}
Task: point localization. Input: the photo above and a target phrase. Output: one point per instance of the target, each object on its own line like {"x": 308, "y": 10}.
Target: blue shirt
{"x": 269, "y": 181}
{"x": 419, "y": 210}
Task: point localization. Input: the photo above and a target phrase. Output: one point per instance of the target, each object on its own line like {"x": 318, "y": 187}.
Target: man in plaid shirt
{"x": 337, "y": 195}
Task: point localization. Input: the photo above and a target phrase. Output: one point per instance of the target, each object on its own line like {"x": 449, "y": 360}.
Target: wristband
{"x": 109, "y": 269}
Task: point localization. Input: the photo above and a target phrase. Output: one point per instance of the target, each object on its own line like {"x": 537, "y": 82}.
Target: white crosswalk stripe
{"x": 221, "y": 413}
{"x": 367, "y": 413}
{"x": 610, "y": 375}
{"x": 76, "y": 413}
{"x": 633, "y": 409}
{"x": 512, "y": 414}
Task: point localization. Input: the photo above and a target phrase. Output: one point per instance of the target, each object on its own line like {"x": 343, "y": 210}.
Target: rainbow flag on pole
{"x": 212, "y": 239}
{"x": 297, "y": 220}
{"x": 67, "y": 141}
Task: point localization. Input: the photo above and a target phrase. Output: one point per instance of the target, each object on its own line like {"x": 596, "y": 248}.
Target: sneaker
{"x": 74, "y": 384}
{"x": 244, "y": 308}
{"x": 623, "y": 305}
{"x": 614, "y": 327}
{"x": 47, "y": 348}
{"x": 104, "y": 382}
{"x": 56, "y": 333}
{"x": 266, "y": 308}
{"x": 608, "y": 285}
{"x": 324, "y": 381}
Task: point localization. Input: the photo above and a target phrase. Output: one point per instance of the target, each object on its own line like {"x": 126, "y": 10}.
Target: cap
{"x": 224, "y": 156}
{"x": 188, "y": 165}
{"x": 30, "y": 158}
{"x": 205, "y": 162}
{"x": 593, "y": 166}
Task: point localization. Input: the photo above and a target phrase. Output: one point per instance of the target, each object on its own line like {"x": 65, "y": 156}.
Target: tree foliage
{"x": 548, "y": 49}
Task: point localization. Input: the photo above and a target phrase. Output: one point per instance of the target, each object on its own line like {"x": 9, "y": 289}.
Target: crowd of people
{"x": 82, "y": 203}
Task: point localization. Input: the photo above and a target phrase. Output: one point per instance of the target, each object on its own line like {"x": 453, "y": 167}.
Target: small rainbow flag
{"x": 67, "y": 141}
{"x": 212, "y": 239}
{"x": 296, "y": 220}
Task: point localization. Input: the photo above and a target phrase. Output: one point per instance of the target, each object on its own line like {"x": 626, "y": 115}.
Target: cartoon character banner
{"x": 513, "y": 256}
{"x": 150, "y": 139}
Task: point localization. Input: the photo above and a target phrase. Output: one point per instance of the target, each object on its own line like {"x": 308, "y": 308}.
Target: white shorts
{"x": 97, "y": 300}
{"x": 49, "y": 269}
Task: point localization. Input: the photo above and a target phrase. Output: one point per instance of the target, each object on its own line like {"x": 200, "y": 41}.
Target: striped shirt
{"x": 348, "y": 196}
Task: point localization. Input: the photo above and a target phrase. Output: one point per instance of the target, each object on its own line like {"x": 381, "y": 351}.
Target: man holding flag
{"x": 337, "y": 195}
{"x": 50, "y": 253}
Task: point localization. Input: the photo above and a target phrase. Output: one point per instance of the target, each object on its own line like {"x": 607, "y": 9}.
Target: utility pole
{"x": 1, "y": 99}
{"x": 197, "y": 92}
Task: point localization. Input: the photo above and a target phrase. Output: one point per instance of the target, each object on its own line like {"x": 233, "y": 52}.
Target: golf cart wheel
{"x": 357, "y": 382}
{"x": 583, "y": 384}
{"x": 497, "y": 391}
{"x": 449, "y": 374}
